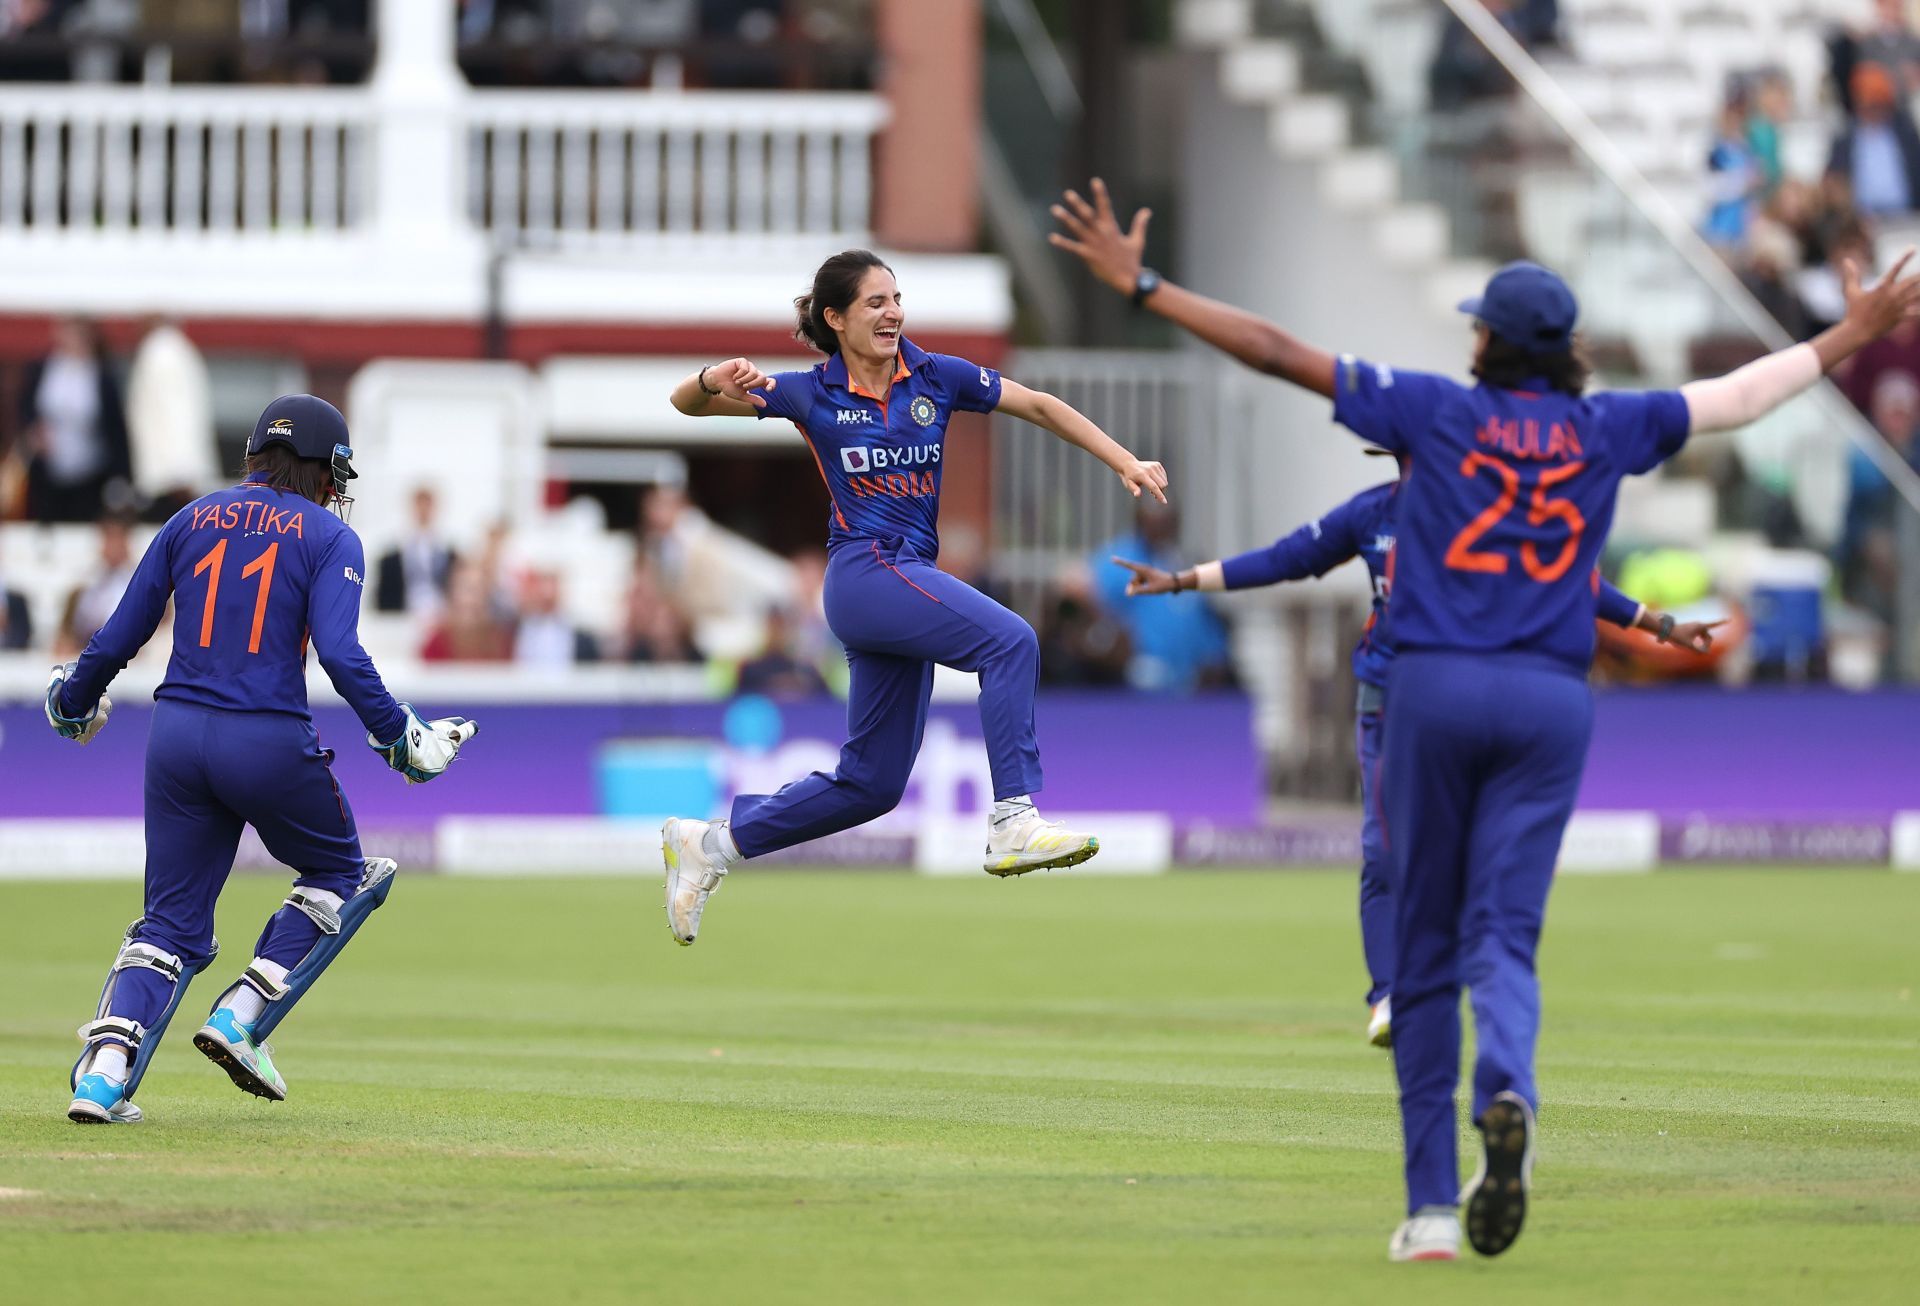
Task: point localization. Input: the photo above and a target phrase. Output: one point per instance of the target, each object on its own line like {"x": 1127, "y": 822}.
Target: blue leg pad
{"x": 180, "y": 970}
{"x": 373, "y": 890}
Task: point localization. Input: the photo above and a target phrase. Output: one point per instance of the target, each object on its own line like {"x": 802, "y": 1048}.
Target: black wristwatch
{"x": 1145, "y": 284}
{"x": 1665, "y": 634}
{"x": 703, "y": 381}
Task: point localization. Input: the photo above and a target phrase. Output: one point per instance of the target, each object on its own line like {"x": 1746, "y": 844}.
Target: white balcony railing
{"x": 582, "y": 168}
{"x": 578, "y": 168}
{"x": 77, "y": 160}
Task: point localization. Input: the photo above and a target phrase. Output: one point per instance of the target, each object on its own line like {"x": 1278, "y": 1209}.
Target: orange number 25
{"x": 261, "y": 566}
{"x": 1463, "y": 556}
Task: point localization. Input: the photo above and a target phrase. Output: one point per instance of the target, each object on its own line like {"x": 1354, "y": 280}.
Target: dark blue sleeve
{"x": 1312, "y": 550}
{"x": 333, "y": 619}
{"x": 127, "y": 630}
{"x": 791, "y": 394}
{"x": 1390, "y": 408}
{"x": 1615, "y": 607}
{"x": 970, "y": 387}
{"x": 1647, "y": 427}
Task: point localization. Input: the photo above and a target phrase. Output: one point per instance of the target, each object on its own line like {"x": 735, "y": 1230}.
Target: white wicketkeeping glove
{"x": 79, "y": 729}
{"x": 425, "y": 749}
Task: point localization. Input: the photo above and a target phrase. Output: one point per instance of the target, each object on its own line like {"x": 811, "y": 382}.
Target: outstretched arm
{"x": 1619, "y": 609}
{"x": 1113, "y": 255}
{"x": 723, "y": 390}
{"x": 127, "y": 631}
{"x": 1067, "y": 422}
{"x": 1751, "y": 392}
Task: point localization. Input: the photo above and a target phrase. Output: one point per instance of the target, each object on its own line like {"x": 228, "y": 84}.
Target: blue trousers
{"x": 209, "y": 773}
{"x": 1483, "y": 764}
{"x": 1376, "y": 890}
{"x": 898, "y": 615}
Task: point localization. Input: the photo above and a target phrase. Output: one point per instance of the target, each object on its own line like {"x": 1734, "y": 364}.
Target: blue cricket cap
{"x": 308, "y": 425}
{"x": 1526, "y": 305}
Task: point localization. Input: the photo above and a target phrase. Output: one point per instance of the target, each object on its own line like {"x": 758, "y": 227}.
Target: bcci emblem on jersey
{"x": 922, "y": 410}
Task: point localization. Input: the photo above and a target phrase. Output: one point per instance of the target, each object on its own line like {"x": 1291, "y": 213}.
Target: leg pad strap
{"x": 113, "y": 1029}
{"x": 321, "y": 906}
{"x": 268, "y": 978}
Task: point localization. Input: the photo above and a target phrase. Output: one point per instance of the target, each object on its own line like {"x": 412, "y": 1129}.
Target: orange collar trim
{"x": 900, "y": 373}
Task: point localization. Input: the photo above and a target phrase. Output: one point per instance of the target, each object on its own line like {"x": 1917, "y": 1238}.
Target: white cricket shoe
{"x": 1380, "y": 1024}
{"x": 1036, "y": 845}
{"x": 1430, "y": 1234}
{"x": 692, "y": 876}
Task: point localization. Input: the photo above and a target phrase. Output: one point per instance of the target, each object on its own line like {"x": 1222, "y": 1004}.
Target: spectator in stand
{"x": 1463, "y": 71}
{"x": 469, "y": 630}
{"x": 76, "y": 430}
{"x": 170, "y": 422}
{"x": 93, "y": 601}
{"x": 35, "y": 21}
{"x": 1769, "y": 107}
{"x": 545, "y": 637}
{"x": 1179, "y": 643}
{"x": 1889, "y": 41}
{"x": 16, "y": 618}
{"x": 654, "y": 630}
{"x": 1821, "y": 287}
{"x": 413, "y": 577}
{"x": 1773, "y": 262}
{"x": 781, "y": 669}
{"x": 1868, "y": 563}
{"x": 808, "y": 612}
{"x": 747, "y": 33}
{"x": 1735, "y": 177}
{"x": 1080, "y": 643}
{"x": 1878, "y": 150}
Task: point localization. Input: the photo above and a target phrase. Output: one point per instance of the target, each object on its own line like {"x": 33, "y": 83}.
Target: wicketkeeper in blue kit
{"x": 1506, "y": 506}
{"x": 255, "y": 572}
{"x": 1363, "y": 527}
{"x": 874, "y": 416}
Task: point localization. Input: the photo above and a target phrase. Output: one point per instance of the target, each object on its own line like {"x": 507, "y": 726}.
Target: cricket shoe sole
{"x": 1019, "y": 863}
{"x": 1496, "y": 1197}
{"x": 214, "y": 1045}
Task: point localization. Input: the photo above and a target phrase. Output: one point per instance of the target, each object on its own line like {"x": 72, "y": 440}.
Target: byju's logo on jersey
{"x": 860, "y": 459}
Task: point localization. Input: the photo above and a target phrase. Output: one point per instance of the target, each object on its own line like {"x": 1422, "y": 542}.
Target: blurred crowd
{"x": 1790, "y": 236}
{"x": 712, "y": 43}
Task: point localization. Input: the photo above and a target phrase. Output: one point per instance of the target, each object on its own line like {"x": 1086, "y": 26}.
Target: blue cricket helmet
{"x": 312, "y": 428}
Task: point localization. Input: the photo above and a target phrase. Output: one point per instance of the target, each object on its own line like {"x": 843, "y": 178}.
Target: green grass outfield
{"x": 867, "y": 1088}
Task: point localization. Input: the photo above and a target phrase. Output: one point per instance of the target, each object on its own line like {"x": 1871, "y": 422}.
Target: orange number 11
{"x": 211, "y": 565}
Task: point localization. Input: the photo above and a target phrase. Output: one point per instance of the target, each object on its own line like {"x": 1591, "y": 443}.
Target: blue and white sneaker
{"x": 98, "y": 1100}
{"x": 229, "y": 1045}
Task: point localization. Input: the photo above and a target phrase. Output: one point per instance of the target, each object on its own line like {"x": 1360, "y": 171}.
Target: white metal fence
{"x": 81, "y": 161}
{"x": 594, "y": 168}
{"x": 1054, "y": 505}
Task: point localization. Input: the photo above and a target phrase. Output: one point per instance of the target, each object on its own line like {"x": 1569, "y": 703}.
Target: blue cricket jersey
{"x": 1363, "y": 527}
{"x": 254, "y": 573}
{"x": 1507, "y": 504}
{"x": 881, "y": 459}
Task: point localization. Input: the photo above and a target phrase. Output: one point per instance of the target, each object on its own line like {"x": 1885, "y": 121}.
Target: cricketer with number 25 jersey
{"x": 1511, "y": 491}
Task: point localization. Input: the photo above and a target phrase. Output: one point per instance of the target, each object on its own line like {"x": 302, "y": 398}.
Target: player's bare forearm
{"x": 1068, "y": 423}
{"x": 1091, "y": 232}
{"x": 1250, "y": 338}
